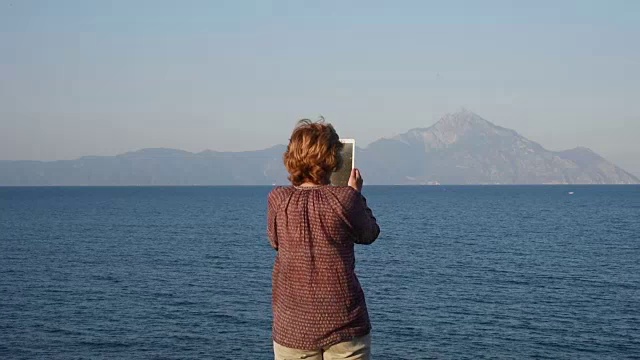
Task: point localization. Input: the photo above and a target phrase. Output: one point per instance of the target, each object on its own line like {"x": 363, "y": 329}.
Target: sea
{"x": 458, "y": 272}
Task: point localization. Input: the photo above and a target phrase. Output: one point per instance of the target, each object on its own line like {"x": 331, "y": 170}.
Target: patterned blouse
{"x": 317, "y": 298}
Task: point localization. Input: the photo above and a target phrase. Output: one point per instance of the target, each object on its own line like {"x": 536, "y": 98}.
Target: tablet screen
{"x": 341, "y": 176}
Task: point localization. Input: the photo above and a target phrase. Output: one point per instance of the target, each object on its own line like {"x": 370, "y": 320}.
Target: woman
{"x": 319, "y": 310}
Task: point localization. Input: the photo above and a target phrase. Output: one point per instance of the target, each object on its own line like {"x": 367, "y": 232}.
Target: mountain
{"x": 461, "y": 148}
{"x": 152, "y": 167}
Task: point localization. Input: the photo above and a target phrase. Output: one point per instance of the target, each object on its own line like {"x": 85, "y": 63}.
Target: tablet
{"x": 341, "y": 176}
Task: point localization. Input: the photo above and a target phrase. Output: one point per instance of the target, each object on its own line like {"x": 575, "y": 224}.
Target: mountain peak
{"x": 463, "y": 117}
{"x": 450, "y": 128}
{"x": 582, "y": 149}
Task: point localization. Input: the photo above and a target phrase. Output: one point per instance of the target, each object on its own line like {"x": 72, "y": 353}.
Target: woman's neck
{"x": 313, "y": 184}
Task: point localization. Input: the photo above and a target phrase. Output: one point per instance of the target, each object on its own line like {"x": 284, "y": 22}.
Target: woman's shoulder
{"x": 343, "y": 193}
{"x": 279, "y": 192}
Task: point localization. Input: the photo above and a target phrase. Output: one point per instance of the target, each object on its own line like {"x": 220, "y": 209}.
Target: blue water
{"x": 184, "y": 272}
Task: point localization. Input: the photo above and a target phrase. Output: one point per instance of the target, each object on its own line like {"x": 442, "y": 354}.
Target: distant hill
{"x": 153, "y": 167}
{"x": 461, "y": 148}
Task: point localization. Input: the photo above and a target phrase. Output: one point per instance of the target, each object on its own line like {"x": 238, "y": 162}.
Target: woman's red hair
{"x": 313, "y": 152}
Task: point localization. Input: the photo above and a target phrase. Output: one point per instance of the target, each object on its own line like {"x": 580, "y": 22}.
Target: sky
{"x": 106, "y": 77}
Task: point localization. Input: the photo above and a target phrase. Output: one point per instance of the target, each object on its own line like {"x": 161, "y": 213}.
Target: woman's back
{"x": 317, "y": 299}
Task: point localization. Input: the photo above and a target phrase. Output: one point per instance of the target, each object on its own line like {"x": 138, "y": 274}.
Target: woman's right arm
{"x": 360, "y": 216}
{"x": 362, "y": 221}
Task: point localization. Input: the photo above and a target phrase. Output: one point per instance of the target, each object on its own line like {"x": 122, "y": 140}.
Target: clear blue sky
{"x": 106, "y": 77}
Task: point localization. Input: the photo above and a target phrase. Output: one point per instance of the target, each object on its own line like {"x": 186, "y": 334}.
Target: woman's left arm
{"x": 271, "y": 221}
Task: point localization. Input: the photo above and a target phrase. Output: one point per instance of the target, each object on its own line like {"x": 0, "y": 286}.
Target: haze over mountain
{"x": 461, "y": 148}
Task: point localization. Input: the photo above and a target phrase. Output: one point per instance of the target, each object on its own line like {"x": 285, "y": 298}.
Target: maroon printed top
{"x": 317, "y": 298}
